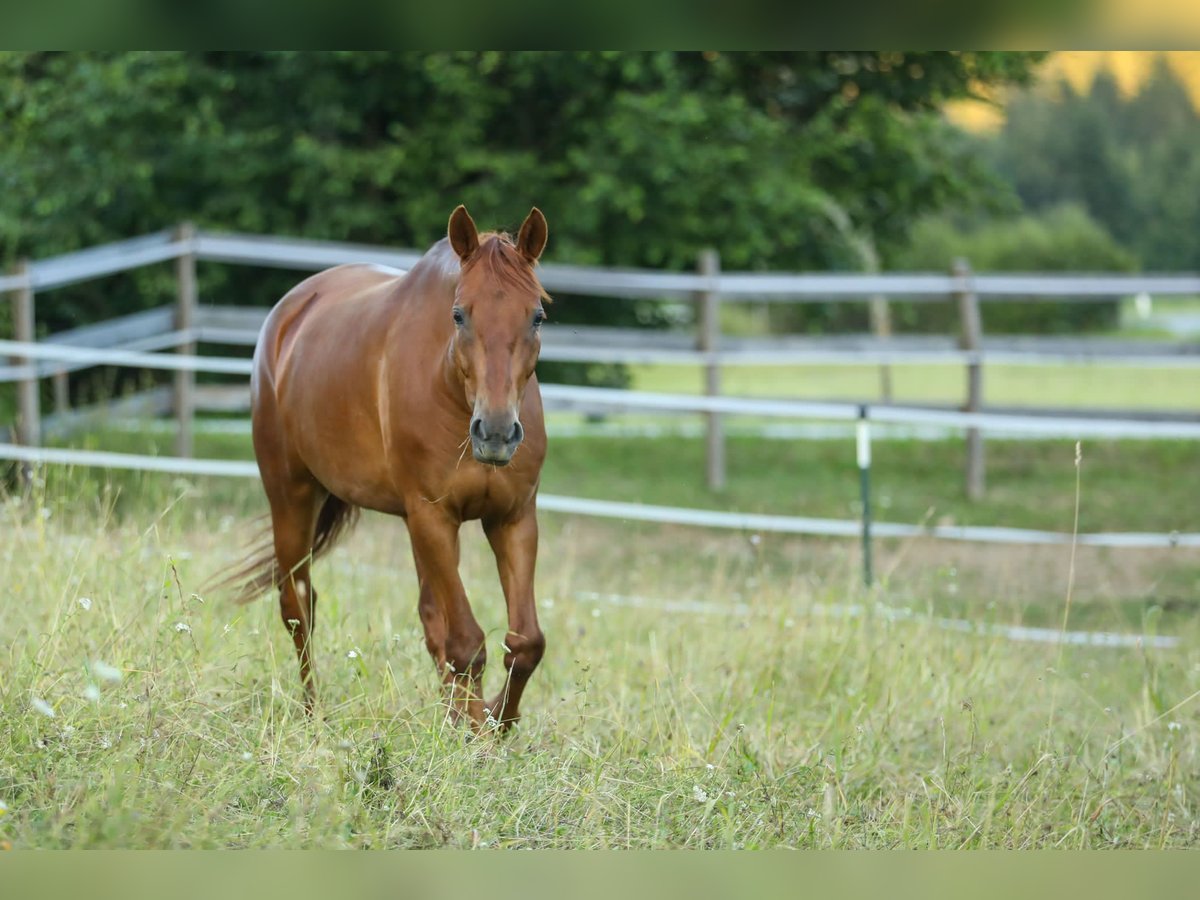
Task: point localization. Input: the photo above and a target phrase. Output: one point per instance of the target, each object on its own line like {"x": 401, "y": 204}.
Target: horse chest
{"x": 481, "y": 492}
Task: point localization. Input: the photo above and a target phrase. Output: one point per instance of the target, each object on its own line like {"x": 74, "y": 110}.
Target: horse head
{"x": 498, "y": 315}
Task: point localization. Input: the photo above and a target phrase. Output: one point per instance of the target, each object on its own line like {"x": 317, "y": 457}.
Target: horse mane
{"x": 500, "y": 260}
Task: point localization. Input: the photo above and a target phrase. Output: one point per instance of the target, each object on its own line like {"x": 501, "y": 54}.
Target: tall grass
{"x": 139, "y": 713}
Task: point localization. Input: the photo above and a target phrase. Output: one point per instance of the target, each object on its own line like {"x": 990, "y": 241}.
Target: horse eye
{"x": 538, "y": 318}
{"x": 459, "y": 318}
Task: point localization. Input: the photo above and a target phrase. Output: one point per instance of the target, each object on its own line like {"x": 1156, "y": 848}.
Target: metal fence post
{"x": 29, "y": 406}
{"x": 185, "y": 309}
{"x": 971, "y": 339}
{"x": 708, "y": 340}
{"x": 864, "y": 485}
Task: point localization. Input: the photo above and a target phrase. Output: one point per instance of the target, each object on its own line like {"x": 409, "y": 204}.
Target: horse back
{"x": 328, "y": 292}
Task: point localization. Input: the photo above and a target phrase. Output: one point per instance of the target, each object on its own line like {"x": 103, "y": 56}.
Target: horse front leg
{"x": 515, "y": 545}
{"x": 453, "y": 637}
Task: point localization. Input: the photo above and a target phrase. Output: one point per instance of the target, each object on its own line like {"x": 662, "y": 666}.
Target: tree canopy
{"x": 636, "y": 158}
{"x": 779, "y": 160}
{"x": 1130, "y": 161}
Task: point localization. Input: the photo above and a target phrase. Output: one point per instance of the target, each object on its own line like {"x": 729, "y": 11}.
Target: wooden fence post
{"x": 29, "y": 406}
{"x": 708, "y": 339}
{"x": 971, "y": 340}
{"x": 62, "y": 392}
{"x": 881, "y": 327}
{"x": 185, "y": 309}
{"x": 879, "y": 313}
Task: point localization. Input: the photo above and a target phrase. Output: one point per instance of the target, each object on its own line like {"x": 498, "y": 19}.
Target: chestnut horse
{"x": 369, "y": 388}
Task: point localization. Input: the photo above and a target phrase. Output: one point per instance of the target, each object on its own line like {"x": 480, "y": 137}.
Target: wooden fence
{"x": 187, "y": 324}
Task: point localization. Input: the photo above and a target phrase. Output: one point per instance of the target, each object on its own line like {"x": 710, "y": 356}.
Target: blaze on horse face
{"x": 497, "y": 317}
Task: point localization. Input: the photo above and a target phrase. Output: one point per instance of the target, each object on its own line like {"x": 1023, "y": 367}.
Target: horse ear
{"x": 464, "y": 236}
{"x": 531, "y": 240}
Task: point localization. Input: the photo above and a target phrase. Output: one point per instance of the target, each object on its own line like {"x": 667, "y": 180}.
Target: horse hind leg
{"x": 294, "y": 520}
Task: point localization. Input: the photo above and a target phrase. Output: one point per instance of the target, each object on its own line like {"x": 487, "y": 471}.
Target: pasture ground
{"x": 1095, "y": 386}
{"x": 1125, "y": 486}
{"x": 766, "y": 715}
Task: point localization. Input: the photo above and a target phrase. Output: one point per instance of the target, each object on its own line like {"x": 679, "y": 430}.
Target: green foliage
{"x": 1060, "y": 239}
{"x": 1131, "y": 162}
{"x": 637, "y": 158}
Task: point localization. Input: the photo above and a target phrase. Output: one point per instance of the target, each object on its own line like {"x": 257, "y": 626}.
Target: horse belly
{"x": 340, "y": 444}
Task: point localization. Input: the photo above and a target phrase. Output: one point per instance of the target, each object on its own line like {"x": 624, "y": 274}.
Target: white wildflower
{"x": 43, "y": 707}
{"x": 1174, "y": 726}
{"x": 91, "y": 692}
{"x": 105, "y": 672}
{"x": 247, "y": 755}
{"x": 353, "y": 654}
{"x": 85, "y": 603}
{"x": 699, "y": 793}
{"x": 183, "y": 627}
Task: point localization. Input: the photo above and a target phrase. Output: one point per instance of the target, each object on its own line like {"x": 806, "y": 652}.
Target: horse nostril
{"x": 477, "y": 429}
{"x": 518, "y": 434}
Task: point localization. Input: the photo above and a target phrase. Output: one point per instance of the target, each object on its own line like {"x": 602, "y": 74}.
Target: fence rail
{"x": 127, "y": 342}
{"x": 642, "y": 512}
{"x": 311, "y": 255}
{"x": 108, "y": 259}
{"x": 239, "y": 326}
{"x": 648, "y": 401}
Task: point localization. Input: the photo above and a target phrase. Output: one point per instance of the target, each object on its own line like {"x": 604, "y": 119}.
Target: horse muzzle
{"x": 495, "y": 441}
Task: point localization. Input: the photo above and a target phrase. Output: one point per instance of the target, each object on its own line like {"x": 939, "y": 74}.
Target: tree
{"x": 1063, "y": 238}
{"x": 1132, "y": 162}
{"x": 637, "y": 158}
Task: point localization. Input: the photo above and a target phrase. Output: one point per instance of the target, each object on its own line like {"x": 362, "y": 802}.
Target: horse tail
{"x": 259, "y": 573}
{"x": 333, "y": 521}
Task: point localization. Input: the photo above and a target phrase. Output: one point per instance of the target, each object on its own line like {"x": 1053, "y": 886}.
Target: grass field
{"x": 771, "y": 706}
{"x": 1031, "y": 484}
{"x": 1094, "y": 386}
{"x": 1126, "y": 486}
{"x": 701, "y": 689}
